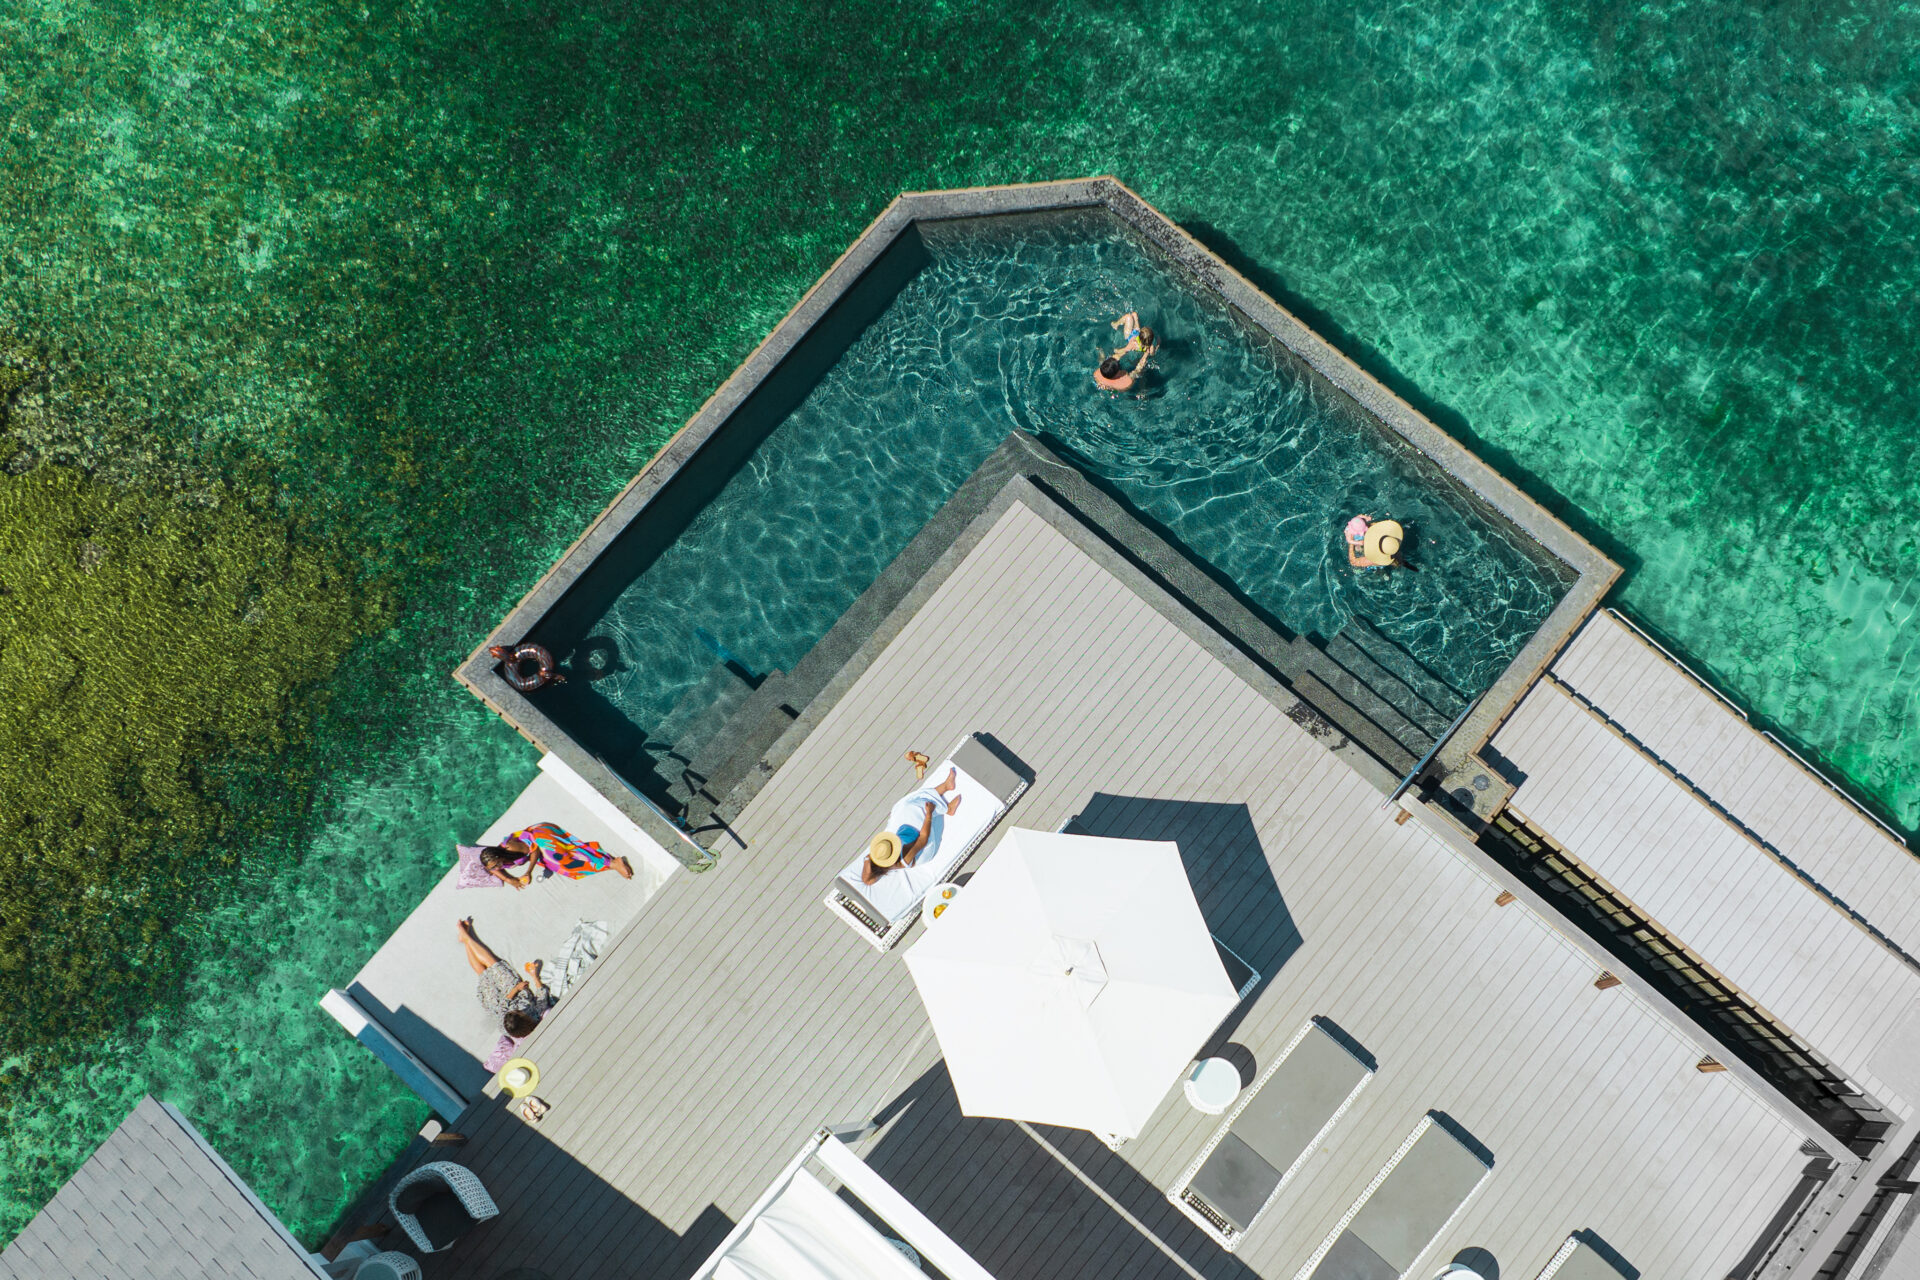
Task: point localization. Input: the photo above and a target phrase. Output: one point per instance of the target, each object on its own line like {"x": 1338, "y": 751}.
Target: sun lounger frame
{"x": 882, "y": 934}
{"x": 1224, "y": 1233}
{"x": 1379, "y": 1179}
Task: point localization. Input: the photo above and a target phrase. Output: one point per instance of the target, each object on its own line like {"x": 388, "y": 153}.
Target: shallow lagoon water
{"x": 450, "y": 276}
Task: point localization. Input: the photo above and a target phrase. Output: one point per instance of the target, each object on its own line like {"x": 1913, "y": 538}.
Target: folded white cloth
{"x": 576, "y": 955}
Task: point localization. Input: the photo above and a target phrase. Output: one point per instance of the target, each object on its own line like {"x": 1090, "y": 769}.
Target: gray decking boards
{"x": 1731, "y": 845}
{"x": 153, "y": 1203}
{"x": 736, "y": 1015}
{"x": 1751, "y": 779}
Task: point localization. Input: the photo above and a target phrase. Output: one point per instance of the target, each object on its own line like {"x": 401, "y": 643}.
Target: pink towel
{"x": 502, "y": 1051}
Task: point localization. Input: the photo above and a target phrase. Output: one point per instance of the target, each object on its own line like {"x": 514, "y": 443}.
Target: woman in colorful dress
{"x": 512, "y": 860}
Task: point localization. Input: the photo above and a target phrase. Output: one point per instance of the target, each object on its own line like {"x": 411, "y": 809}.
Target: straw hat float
{"x": 884, "y": 849}
{"x": 1383, "y": 542}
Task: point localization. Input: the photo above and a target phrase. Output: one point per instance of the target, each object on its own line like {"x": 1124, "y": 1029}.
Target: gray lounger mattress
{"x": 1392, "y": 1227}
{"x": 1271, "y": 1131}
{"x": 1579, "y": 1260}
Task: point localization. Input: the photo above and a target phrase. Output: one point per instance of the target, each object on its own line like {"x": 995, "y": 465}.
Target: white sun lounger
{"x": 1269, "y": 1134}
{"x": 883, "y": 911}
{"x": 1403, "y": 1212}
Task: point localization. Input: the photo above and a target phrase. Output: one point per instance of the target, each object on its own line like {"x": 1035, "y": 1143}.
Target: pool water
{"x": 1234, "y": 451}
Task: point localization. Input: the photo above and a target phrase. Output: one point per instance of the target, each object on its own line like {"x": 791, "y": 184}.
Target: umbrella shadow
{"x": 1039, "y": 1202}
{"x": 1227, "y": 865}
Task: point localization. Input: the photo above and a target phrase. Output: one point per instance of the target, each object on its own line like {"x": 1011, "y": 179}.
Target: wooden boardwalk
{"x": 1755, "y": 781}
{"x": 736, "y": 1015}
{"x": 1731, "y": 845}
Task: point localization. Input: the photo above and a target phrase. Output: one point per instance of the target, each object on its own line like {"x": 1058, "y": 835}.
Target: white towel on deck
{"x": 576, "y": 955}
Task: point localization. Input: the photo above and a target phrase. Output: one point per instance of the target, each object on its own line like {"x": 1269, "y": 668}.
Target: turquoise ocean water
{"x": 448, "y": 275}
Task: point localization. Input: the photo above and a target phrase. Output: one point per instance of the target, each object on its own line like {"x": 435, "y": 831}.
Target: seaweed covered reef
{"x": 157, "y": 658}
{"x": 161, "y": 651}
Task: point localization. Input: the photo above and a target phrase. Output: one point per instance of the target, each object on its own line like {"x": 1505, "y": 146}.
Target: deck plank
{"x": 1762, "y": 787}
{"x": 736, "y": 1014}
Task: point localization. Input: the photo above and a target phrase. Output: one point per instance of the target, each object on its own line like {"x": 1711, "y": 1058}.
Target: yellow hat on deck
{"x": 1383, "y": 542}
{"x": 519, "y": 1077}
{"x": 884, "y": 849}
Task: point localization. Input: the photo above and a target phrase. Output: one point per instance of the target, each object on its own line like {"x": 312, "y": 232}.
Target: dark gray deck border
{"x": 1595, "y": 573}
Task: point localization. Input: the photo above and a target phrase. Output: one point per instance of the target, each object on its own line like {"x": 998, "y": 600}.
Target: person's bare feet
{"x": 624, "y": 867}
{"x": 919, "y": 761}
{"x": 953, "y": 777}
{"x": 465, "y": 929}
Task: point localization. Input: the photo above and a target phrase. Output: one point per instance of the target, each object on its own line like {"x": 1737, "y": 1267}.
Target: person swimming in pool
{"x": 1138, "y": 336}
{"x": 1357, "y": 542}
{"x": 1375, "y": 544}
{"x": 1114, "y": 376}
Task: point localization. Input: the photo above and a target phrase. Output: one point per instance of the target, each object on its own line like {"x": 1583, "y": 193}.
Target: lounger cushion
{"x": 1429, "y": 1184}
{"x": 1350, "y": 1259}
{"x": 1001, "y": 780}
{"x": 1275, "y": 1126}
{"x": 1296, "y": 1103}
{"x": 1236, "y": 1181}
{"x": 1585, "y": 1263}
{"x": 896, "y": 894}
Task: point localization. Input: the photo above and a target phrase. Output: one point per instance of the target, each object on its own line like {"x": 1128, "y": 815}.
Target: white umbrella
{"x": 1072, "y": 981}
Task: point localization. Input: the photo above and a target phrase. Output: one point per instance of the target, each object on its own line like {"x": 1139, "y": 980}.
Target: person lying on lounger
{"x": 516, "y": 1001}
{"x": 512, "y": 860}
{"x": 911, "y": 830}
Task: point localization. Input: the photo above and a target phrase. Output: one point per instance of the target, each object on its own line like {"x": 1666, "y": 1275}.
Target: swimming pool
{"x": 1234, "y": 449}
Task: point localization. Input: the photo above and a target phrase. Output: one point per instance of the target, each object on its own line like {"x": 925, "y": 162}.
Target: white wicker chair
{"x": 464, "y": 1185}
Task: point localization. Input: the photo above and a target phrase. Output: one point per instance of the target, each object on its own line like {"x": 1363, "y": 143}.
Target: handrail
{"x": 1433, "y": 751}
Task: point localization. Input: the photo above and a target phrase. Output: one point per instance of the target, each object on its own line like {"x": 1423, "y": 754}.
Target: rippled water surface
{"x": 1241, "y": 459}
{"x": 444, "y": 277}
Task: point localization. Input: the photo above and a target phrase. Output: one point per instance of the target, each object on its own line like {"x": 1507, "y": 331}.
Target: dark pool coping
{"x": 1594, "y": 572}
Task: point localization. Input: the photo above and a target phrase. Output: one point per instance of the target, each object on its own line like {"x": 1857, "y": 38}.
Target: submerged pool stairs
{"x": 722, "y": 746}
{"x": 1374, "y": 692}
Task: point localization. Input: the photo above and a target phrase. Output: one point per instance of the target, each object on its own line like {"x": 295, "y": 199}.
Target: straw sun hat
{"x": 1383, "y": 542}
{"x": 519, "y": 1077}
{"x": 884, "y": 849}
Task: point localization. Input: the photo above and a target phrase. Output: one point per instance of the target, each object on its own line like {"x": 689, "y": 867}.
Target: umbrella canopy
{"x": 1072, "y": 981}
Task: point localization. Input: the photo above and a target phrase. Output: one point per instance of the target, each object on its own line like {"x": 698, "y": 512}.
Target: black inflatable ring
{"x": 513, "y": 663}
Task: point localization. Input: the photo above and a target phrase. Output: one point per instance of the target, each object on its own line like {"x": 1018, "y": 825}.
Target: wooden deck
{"x": 736, "y": 1015}
{"x": 1756, "y": 782}
{"x": 1728, "y": 843}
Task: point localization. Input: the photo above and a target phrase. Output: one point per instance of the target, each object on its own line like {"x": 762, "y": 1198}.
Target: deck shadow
{"x": 1028, "y": 1212}
{"x": 1226, "y": 864}
{"x": 567, "y": 1221}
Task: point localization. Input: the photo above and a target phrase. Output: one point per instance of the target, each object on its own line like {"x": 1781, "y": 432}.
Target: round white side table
{"x": 938, "y": 902}
{"x": 1212, "y": 1085}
